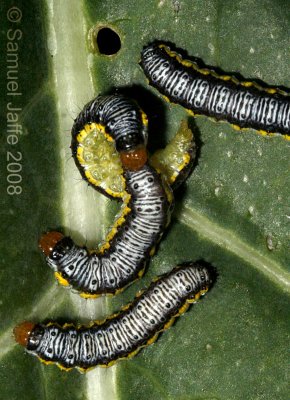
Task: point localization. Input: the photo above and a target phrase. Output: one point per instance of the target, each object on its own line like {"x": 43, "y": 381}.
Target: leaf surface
{"x": 232, "y": 211}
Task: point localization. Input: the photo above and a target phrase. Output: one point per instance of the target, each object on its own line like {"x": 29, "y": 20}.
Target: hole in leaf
{"x": 108, "y": 41}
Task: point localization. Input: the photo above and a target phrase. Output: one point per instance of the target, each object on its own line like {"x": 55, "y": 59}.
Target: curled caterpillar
{"x": 147, "y": 201}
{"x": 124, "y": 334}
{"x": 119, "y": 119}
{"x": 203, "y": 91}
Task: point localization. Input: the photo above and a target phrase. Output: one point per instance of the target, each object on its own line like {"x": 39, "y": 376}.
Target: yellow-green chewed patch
{"x": 99, "y": 158}
{"x": 171, "y": 161}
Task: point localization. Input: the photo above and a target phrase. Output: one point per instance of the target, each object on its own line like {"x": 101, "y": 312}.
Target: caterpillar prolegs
{"x": 204, "y": 91}
{"x": 124, "y": 334}
{"x": 147, "y": 199}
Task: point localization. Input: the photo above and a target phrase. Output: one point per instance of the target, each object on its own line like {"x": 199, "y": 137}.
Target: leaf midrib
{"x": 82, "y": 207}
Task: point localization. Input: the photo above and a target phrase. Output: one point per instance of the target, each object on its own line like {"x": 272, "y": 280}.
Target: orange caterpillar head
{"x": 22, "y": 332}
{"x": 133, "y": 160}
{"x": 49, "y": 240}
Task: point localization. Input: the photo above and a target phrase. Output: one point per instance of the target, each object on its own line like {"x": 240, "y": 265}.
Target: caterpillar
{"x": 147, "y": 200}
{"x": 124, "y": 334}
{"x": 223, "y": 97}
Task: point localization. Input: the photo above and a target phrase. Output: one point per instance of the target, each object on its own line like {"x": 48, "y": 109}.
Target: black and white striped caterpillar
{"x": 147, "y": 201}
{"x": 203, "y": 91}
{"x": 124, "y": 334}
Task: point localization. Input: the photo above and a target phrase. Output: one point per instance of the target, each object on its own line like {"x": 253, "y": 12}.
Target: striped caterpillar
{"x": 203, "y": 91}
{"x": 124, "y": 334}
{"x": 147, "y": 200}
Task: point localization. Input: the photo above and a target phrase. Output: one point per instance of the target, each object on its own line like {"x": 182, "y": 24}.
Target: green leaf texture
{"x": 232, "y": 212}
